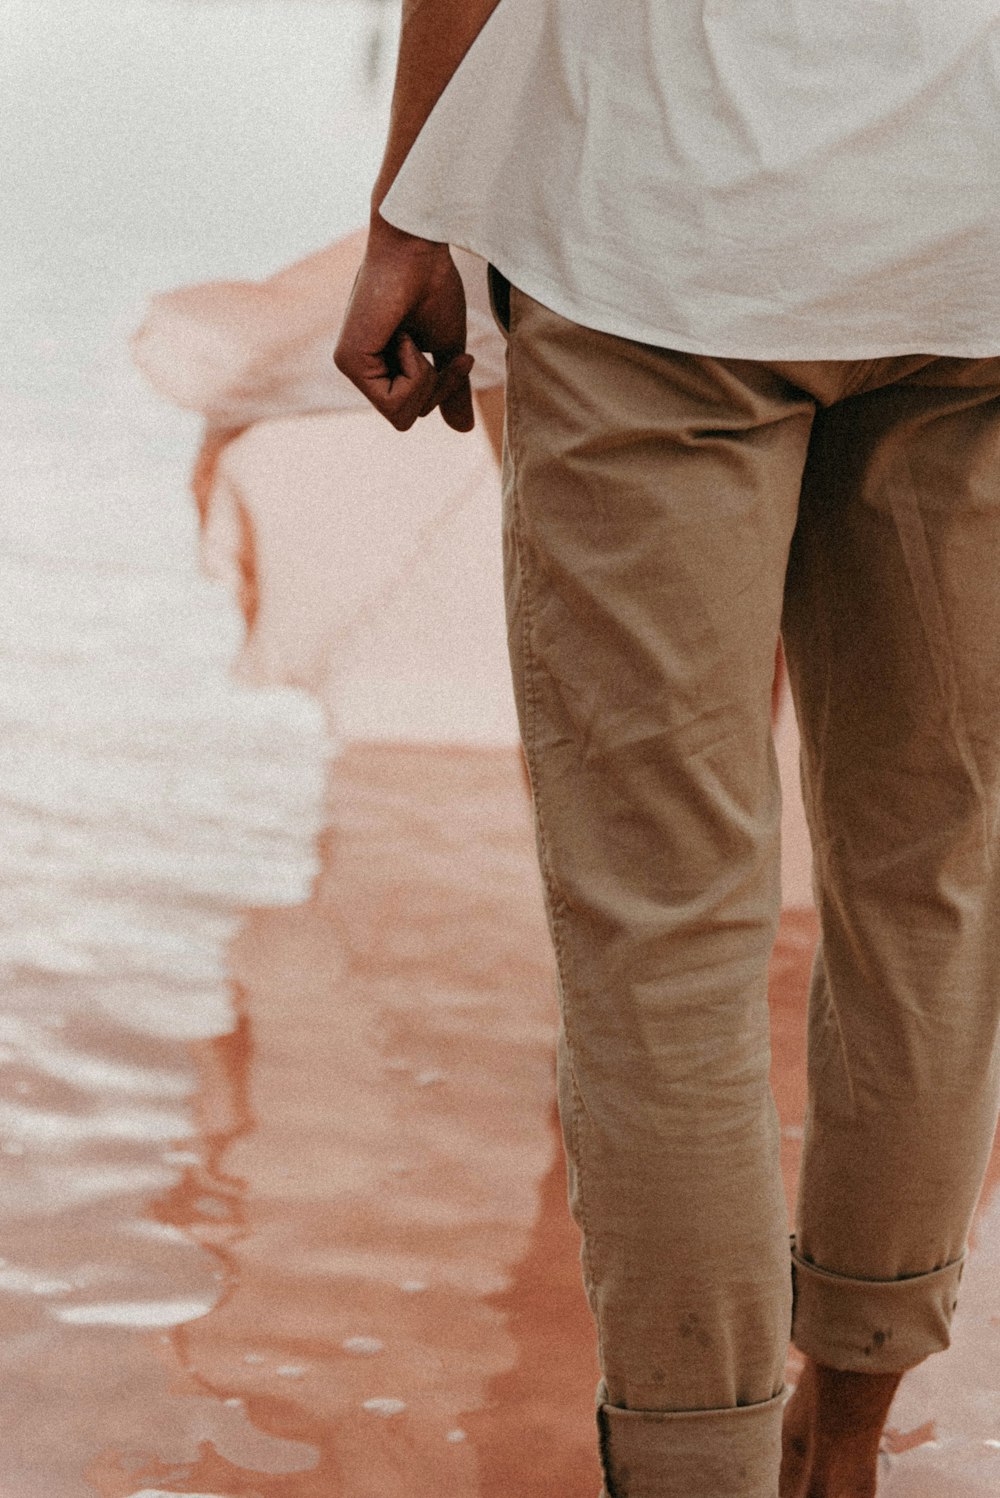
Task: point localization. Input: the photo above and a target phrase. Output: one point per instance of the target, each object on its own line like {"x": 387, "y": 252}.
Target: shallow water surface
{"x": 327, "y": 1251}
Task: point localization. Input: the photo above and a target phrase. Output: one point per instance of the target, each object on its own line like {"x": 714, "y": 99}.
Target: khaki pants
{"x": 664, "y": 515}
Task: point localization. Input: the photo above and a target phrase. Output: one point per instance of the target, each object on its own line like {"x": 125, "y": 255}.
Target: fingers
{"x": 446, "y": 387}
{"x": 404, "y": 385}
{"x": 401, "y": 304}
{"x": 453, "y": 394}
{"x": 399, "y": 382}
{"x": 411, "y": 390}
{"x": 458, "y": 410}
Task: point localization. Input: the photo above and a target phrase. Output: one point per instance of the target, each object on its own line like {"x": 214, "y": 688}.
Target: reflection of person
{"x": 754, "y": 320}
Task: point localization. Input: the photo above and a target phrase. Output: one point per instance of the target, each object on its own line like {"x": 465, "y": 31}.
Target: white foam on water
{"x": 133, "y": 1313}
{"x": 47, "y": 1056}
{"x": 168, "y": 1493}
{"x": 363, "y": 1346}
{"x": 16, "y": 1281}
{"x": 62, "y": 1130}
{"x": 73, "y": 1186}
{"x": 384, "y": 1407}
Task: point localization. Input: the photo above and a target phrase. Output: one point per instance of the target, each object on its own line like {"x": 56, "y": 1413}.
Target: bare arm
{"x": 435, "y": 36}
{"x": 408, "y": 299}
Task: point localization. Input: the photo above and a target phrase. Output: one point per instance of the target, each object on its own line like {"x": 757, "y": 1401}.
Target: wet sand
{"x": 375, "y": 1183}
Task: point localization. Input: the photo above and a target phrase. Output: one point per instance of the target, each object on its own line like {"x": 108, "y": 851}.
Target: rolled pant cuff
{"x": 872, "y": 1326}
{"x": 730, "y": 1453}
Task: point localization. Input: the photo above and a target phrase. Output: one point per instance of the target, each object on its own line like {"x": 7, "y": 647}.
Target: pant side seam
{"x": 556, "y": 899}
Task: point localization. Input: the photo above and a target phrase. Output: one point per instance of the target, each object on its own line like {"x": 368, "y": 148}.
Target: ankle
{"x": 860, "y": 1485}
{"x": 832, "y": 1429}
{"x": 842, "y": 1469}
{"x": 851, "y": 1408}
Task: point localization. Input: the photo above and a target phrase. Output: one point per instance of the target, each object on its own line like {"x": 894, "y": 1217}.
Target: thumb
{"x": 456, "y": 405}
{"x": 453, "y": 393}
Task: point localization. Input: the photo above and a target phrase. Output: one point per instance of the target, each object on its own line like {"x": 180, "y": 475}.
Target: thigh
{"x": 892, "y": 628}
{"x": 650, "y": 499}
{"x": 892, "y": 633}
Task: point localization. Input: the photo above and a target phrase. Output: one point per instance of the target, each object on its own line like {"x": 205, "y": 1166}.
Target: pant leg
{"x": 649, "y": 502}
{"x": 892, "y": 632}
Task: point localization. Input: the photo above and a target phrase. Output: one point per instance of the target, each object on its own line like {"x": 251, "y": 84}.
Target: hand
{"x": 408, "y": 301}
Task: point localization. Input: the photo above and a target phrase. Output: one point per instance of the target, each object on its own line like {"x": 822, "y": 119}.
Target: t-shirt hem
{"x": 685, "y": 341}
{"x": 663, "y": 334}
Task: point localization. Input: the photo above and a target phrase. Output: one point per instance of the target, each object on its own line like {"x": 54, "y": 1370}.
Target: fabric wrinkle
{"x": 713, "y": 148}
{"x": 648, "y": 655}
{"x": 912, "y": 532}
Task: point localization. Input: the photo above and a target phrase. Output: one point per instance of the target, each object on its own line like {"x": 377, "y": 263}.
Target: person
{"x": 746, "y": 260}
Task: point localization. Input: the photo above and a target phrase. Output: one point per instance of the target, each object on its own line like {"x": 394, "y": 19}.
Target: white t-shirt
{"x": 763, "y": 179}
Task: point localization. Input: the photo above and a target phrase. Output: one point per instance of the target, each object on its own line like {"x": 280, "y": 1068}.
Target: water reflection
{"x": 139, "y": 816}
{"x": 401, "y": 1090}
{"x": 307, "y": 1290}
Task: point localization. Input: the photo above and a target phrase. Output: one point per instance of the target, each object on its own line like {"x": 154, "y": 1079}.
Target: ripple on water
{"x": 145, "y": 799}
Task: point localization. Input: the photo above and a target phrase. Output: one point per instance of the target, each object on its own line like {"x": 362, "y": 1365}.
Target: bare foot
{"x": 831, "y": 1431}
